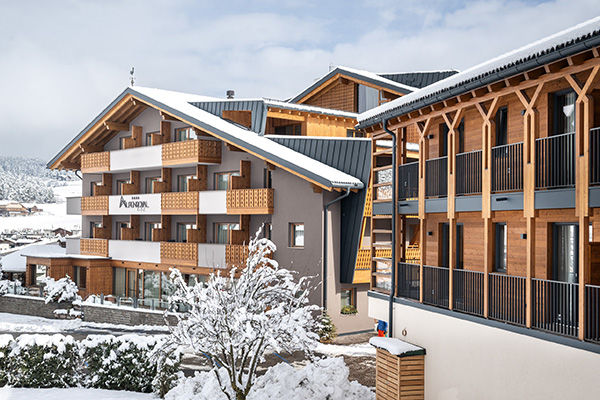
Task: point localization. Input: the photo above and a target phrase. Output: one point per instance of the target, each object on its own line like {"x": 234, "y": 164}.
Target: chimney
{"x": 230, "y": 94}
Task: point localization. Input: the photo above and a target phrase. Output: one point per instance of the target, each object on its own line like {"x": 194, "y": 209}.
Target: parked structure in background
{"x": 13, "y": 208}
{"x": 497, "y": 217}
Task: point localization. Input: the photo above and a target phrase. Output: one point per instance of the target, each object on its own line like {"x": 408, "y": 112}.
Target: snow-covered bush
{"x": 43, "y": 361}
{"x": 129, "y": 362}
{"x": 325, "y": 379}
{"x": 234, "y": 320}
{"x": 61, "y": 290}
{"x": 327, "y": 332}
{"x": 7, "y": 286}
{"x": 5, "y": 345}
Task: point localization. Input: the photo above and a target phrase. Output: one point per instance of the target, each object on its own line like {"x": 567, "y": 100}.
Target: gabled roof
{"x": 180, "y": 106}
{"x": 552, "y": 48}
{"x": 358, "y": 74}
{"x": 418, "y": 79}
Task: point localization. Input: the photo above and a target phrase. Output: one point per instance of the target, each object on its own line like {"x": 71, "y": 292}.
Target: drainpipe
{"x": 394, "y": 205}
{"x": 325, "y": 207}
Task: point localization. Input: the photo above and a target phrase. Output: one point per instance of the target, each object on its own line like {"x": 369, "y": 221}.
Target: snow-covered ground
{"x": 54, "y": 215}
{"x": 17, "y": 323}
{"x": 71, "y": 394}
{"x": 356, "y": 350}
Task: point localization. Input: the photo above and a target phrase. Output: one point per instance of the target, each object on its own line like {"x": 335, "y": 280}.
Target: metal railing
{"x": 467, "y": 288}
{"x": 507, "y": 167}
{"x": 436, "y": 174}
{"x": 506, "y": 298}
{"x": 595, "y": 156}
{"x": 592, "y": 313}
{"x": 408, "y": 281}
{"x": 468, "y": 172}
{"x": 435, "y": 286}
{"x": 408, "y": 181}
{"x": 555, "y": 161}
{"x": 555, "y": 307}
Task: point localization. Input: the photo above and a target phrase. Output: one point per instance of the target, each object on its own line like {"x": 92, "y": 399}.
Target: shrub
{"x": 327, "y": 332}
{"x": 129, "y": 362}
{"x": 61, "y": 290}
{"x": 9, "y": 286}
{"x": 5, "y": 345}
{"x": 43, "y": 361}
{"x": 349, "y": 309}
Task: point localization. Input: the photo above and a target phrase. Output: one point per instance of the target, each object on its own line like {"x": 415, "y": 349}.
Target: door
{"x": 565, "y": 265}
{"x": 445, "y": 245}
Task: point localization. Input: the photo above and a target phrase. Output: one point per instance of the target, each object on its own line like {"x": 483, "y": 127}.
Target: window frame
{"x": 292, "y": 235}
{"x": 229, "y": 174}
{"x": 151, "y": 180}
{"x": 230, "y": 226}
{"x": 352, "y": 297}
{"x": 187, "y": 130}
{"x": 500, "y": 255}
{"x": 78, "y": 276}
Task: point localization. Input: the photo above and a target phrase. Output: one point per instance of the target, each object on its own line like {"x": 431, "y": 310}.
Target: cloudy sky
{"x": 62, "y": 62}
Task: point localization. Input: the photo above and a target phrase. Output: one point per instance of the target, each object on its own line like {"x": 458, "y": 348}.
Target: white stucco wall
{"x": 134, "y": 250}
{"x": 468, "y": 360}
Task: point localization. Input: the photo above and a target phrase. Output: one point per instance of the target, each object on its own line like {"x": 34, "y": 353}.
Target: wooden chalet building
{"x": 497, "y": 236}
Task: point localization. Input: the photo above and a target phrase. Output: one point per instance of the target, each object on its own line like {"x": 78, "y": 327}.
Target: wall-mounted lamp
{"x": 430, "y": 233}
{"x": 522, "y": 112}
{"x": 501, "y": 198}
{"x": 523, "y": 236}
{"x": 403, "y": 204}
{"x": 430, "y": 136}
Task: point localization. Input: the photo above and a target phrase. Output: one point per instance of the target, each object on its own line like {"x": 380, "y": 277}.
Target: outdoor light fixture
{"x": 522, "y": 112}
{"x": 430, "y": 136}
{"x": 430, "y": 233}
{"x": 523, "y": 236}
{"x": 501, "y": 198}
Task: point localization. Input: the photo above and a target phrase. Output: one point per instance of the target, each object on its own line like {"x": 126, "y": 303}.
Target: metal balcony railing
{"x": 408, "y": 281}
{"x": 555, "y": 161}
{"x": 468, "y": 172}
{"x": 436, "y": 177}
{"x": 507, "y": 167}
{"x": 408, "y": 181}
{"x": 467, "y": 288}
{"x": 555, "y": 307}
{"x": 435, "y": 286}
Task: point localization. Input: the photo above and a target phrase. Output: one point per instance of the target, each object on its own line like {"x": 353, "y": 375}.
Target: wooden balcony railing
{"x": 507, "y": 167}
{"x": 93, "y": 247}
{"x": 179, "y": 253}
{"x": 436, "y": 177}
{"x": 408, "y": 181}
{"x": 95, "y": 162}
{"x": 236, "y": 255}
{"x": 191, "y": 152}
{"x": 362, "y": 268}
{"x": 94, "y": 205}
{"x": 468, "y": 172}
{"x": 555, "y": 161}
{"x": 179, "y": 203}
{"x": 250, "y": 201}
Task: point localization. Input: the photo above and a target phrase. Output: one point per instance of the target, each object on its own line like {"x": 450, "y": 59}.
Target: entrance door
{"x": 445, "y": 246}
{"x": 565, "y": 265}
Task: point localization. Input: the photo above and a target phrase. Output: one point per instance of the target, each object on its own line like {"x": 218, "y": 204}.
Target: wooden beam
{"x": 116, "y": 126}
{"x": 167, "y": 117}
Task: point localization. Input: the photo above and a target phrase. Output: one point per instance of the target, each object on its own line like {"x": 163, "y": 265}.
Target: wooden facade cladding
{"x": 399, "y": 378}
{"x": 95, "y": 162}
{"x": 250, "y": 201}
{"x": 362, "y": 268}
{"x": 236, "y": 255}
{"x": 191, "y": 152}
{"x": 94, "y": 205}
{"x": 179, "y": 203}
{"x": 94, "y": 247}
{"x": 179, "y": 253}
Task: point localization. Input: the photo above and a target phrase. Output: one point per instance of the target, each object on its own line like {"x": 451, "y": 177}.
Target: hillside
{"x": 28, "y": 180}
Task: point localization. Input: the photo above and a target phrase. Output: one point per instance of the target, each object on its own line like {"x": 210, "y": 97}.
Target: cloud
{"x": 63, "y": 62}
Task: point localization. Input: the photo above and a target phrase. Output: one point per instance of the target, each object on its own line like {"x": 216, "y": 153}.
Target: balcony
{"x": 93, "y": 247}
{"x": 179, "y": 203}
{"x": 250, "y": 201}
{"x": 179, "y": 253}
{"x": 191, "y": 152}
{"x": 236, "y": 255}
{"x": 95, "y": 162}
{"x": 94, "y": 205}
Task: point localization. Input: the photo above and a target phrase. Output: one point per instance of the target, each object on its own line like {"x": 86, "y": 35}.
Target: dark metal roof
{"x": 352, "y": 156}
{"x": 257, "y": 107}
{"x": 493, "y": 71}
{"x": 418, "y": 79}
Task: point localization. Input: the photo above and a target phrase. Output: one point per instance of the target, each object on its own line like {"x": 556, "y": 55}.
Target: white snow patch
{"x": 394, "y": 346}
{"x": 361, "y": 349}
{"x": 7, "y": 393}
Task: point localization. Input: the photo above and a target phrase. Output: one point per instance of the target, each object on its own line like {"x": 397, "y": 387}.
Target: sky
{"x": 62, "y": 62}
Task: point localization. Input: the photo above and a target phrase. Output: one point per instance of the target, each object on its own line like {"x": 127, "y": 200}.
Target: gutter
{"x": 490, "y": 78}
{"x": 384, "y": 122}
{"x": 325, "y": 208}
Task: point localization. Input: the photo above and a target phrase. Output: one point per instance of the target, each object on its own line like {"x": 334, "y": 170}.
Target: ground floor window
{"x": 80, "y": 276}
{"x": 296, "y": 238}
{"x": 151, "y": 284}
{"x": 40, "y": 272}
{"x": 119, "y": 282}
{"x": 348, "y": 301}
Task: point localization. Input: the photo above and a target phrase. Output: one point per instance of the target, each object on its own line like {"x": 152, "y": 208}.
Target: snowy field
{"x": 54, "y": 215}
{"x": 71, "y": 394}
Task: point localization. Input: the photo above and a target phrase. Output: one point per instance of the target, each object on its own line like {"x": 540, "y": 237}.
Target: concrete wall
{"x": 467, "y": 360}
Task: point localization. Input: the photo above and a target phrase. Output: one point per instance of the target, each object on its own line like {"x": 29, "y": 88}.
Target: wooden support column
{"x": 486, "y": 194}
{"x": 453, "y": 143}
{"x": 584, "y": 117}
{"x": 529, "y": 136}
{"x": 423, "y": 153}
{"x": 165, "y": 131}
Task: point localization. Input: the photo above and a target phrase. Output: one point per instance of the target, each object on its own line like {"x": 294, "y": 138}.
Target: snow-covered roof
{"x": 179, "y": 104}
{"x": 360, "y": 74}
{"x": 491, "y": 68}
{"x": 308, "y": 108}
{"x": 396, "y": 347}
{"x": 16, "y": 261}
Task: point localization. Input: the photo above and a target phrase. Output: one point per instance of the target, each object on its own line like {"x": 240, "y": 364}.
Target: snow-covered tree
{"x": 61, "y": 290}
{"x": 235, "y": 319}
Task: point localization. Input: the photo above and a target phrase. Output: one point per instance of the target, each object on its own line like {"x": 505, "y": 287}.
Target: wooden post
{"x": 423, "y": 153}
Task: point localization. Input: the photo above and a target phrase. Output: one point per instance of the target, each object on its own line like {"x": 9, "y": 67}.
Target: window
{"x": 120, "y": 183}
{"x": 293, "y": 130}
{"x": 500, "y": 247}
{"x": 131, "y": 279}
{"x": 367, "y": 98}
{"x": 443, "y": 132}
{"x": 296, "y": 235}
{"x": 182, "y": 182}
{"x": 222, "y": 231}
{"x": 348, "y": 301}
{"x": 92, "y": 186}
{"x": 222, "y": 179}
{"x": 267, "y": 178}
{"x": 119, "y": 227}
{"x": 148, "y": 141}
{"x": 502, "y": 126}
{"x": 122, "y": 141}
{"x": 183, "y": 134}
{"x": 119, "y": 282}
{"x": 92, "y": 226}
{"x": 182, "y": 231}
{"x": 267, "y": 230}
{"x": 564, "y": 112}
{"x": 79, "y": 276}
{"x": 150, "y": 183}
{"x": 148, "y": 230}
{"x": 40, "y": 272}
{"x": 461, "y": 136}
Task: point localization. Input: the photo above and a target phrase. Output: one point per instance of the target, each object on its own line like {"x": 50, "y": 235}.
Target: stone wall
{"x": 28, "y": 305}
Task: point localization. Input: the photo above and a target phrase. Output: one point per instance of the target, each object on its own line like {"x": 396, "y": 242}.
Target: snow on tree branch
{"x": 61, "y": 290}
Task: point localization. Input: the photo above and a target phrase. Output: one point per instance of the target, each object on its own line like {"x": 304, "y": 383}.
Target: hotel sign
{"x": 136, "y": 204}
